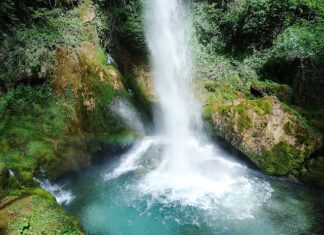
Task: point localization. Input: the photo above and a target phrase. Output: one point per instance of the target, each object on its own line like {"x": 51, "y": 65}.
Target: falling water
{"x": 168, "y": 37}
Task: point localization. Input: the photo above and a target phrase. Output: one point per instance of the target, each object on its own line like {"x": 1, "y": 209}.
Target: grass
{"x": 36, "y": 214}
{"x": 33, "y": 121}
{"x": 84, "y": 8}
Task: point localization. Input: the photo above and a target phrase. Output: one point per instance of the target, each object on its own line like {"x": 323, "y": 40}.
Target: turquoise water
{"x": 117, "y": 206}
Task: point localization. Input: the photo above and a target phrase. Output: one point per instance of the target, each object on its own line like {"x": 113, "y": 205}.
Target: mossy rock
{"x": 281, "y": 159}
{"x": 92, "y": 85}
{"x": 269, "y": 88}
{"x": 35, "y": 213}
{"x": 272, "y": 135}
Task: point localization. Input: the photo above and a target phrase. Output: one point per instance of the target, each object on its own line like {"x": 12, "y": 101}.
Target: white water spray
{"x": 128, "y": 115}
{"x": 190, "y": 171}
{"x": 62, "y": 196}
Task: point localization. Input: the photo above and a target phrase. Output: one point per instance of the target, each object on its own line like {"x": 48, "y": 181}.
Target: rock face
{"x": 272, "y": 135}
{"x": 93, "y": 85}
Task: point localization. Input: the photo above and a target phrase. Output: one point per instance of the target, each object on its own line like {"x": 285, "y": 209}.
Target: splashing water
{"x": 63, "y": 197}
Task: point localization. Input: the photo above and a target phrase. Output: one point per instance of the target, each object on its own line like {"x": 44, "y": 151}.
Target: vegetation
{"x": 31, "y": 43}
{"x": 33, "y": 121}
{"x": 125, "y": 24}
{"x": 281, "y": 159}
{"x": 36, "y": 214}
{"x": 55, "y": 91}
{"x": 246, "y": 50}
{"x": 264, "y": 40}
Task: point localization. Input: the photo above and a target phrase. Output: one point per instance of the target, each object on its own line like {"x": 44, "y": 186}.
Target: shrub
{"x": 27, "y": 55}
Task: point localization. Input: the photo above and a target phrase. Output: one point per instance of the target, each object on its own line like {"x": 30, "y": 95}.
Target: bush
{"x": 297, "y": 58}
{"x": 126, "y": 24}
{"x": 280, "y": 40}
{"x": 28, "y": 54}
{"x": 245, "y": 26}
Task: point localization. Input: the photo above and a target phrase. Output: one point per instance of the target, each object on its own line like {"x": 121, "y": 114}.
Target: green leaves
{"x": 127, "y": 25}
{"x": 281, "y": 40}
{"x": 25, "y": 54}
{"x": 245, "y": 26}
{"x": 301, "y": 41}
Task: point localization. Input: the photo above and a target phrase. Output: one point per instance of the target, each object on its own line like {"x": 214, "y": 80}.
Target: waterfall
{"x": 178, "y": 165}
{"x": 167, "y": 31}
{"x": 168, "y": 36}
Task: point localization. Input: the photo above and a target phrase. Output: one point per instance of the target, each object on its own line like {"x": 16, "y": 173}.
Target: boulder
{"x": 269, "y": 133}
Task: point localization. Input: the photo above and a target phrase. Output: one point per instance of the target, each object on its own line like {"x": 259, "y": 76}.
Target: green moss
{"x": 269, "y": 88}
{"x": 33, "y": 122}
{"x": 280, "y": 160}
{"x": 100, "y": 119}
{"x": 304, "y": 128}
{"x": 42, "y": 193}
{"x": 84, "y": 8}
{"x": 288, "y": 128}
{"x": 208, "y": 111}
{"x": 224, "y": 89}
{"x": 244, "y": 122}
{"x": 37, "y": 215}
{"x": 260, "y": 107}
{"x": 101, "y": 57}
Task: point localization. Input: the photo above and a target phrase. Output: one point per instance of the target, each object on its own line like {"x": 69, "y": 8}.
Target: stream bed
{"x": 124, "y": 195}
